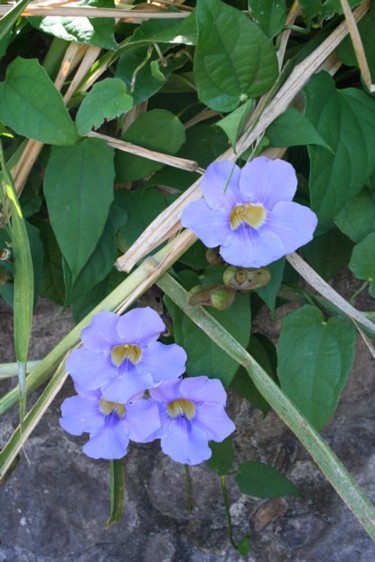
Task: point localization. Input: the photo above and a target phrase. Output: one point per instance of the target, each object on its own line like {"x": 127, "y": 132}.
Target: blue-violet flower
{"x": 110, "y": 425}
{"x": 249, "y": 212}
{"x": 192, "y": 413}
{"x": 121, "y": 357}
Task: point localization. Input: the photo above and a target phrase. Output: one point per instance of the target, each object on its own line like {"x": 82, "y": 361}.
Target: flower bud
{"x": 213, "y": 257}
{"x": 217, "y": 296}
{"x": 246, "y": 279}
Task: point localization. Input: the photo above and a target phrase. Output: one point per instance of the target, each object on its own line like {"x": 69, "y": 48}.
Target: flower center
{"x": 253, "y": 214}
{"x": 124, "y": 351}
{"x": 181, "y": 407}
{"x": 107, "y": 408}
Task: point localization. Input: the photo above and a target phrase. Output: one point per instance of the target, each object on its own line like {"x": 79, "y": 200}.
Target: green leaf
{"x": 362, "y": 262}
{"x": 346, "y": 121}
{"x": 91, "y": 31}
{"x": 106, "y": 100}
{"x": 157, "y": 130}
{"x": 101, "y": 260}
{"x": 78, "y": 186}
{"x": 366, "y": 27}
{"x": 7, "y": 22}
{"x": 142, "y": 207}
{"x": 31, "y": 105}
{"x": 84, "y": 305}
{"x": 227, "y": 38}
{"x": 357, "y": 218}
{"x": 328, "y": 253}
{"x": 293, "y": 129}
{"x": 263, "y": 481}
{"x": 270, "y": 15}
{"x": 117, "y": 491}
{"x": 204, "y": 356}
{"x": 167, "y": 31}
{"x": 134, "y": 68}
{"x": 268, "y": 293}
{"x": 233, "y": 123}
{"x": 53, "y": 279}
{"x": 222, "y": 457}
{"x": 310, "y": 8}
{"x": 314, "y": 360}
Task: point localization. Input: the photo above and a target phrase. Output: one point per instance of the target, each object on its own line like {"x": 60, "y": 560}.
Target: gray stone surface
{"x": 55, "y": 503}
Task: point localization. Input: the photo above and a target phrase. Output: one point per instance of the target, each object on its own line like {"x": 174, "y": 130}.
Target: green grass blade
{"x": 116, "y": 491}
{"x": 11, "y": 17}
{"x": 23, "y": 282}
{"x": 324, "y": 457}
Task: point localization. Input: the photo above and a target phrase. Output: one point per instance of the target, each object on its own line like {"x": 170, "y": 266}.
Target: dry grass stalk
{"x": 174, "y": 161}
{"x": 167, "y": 221}
{"x": 90, "y": 57}
{"x": 78, "y": 11}
{"x": 357, "y": 45}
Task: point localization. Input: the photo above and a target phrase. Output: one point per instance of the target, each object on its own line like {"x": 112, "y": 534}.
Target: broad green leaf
{"x": 263, "y": 481}
{"x": 346, "y": 121}
{"x": 31, "y": 105}
{"x": 84, "y": 305}
{"x": 92, "y": 31}
{"x": 357, "y": 218}
{"x": 53, "y": 279}
{"x": 222, "y": 457}
{"x": 233, "y": 123}
{"x": 134, "y": 68}
{"x": 328, "y": 253}
{"x": 167, "y": 31}
{"x": 310, "y": 8}
{"x": 23, "y": 278}
{"x": 157, "y": 130}
{"x": 101, "y": 260}
{"x": 314, "y": 360}
{"x": 362, "y": 262}
{"x": 142, "y": 207}
{"x": 7, "y": 22}
{"x": 234, "y": 60}
{"x": 270, "y": 15}
{"x": 268, "y": 293}
{"x": 78, "y": 186}
{"x": 264, "y": 352}
{"x": 204, "y": 356}
{"x": 366, "y": 28}
{"x": 293, "y": 129}
{"x": 107, "y": 99}
{"x": 117, "y": 491}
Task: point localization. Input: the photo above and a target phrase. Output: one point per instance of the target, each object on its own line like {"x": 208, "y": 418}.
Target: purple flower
{"x": 121, "y": 357}
{"x": 249, "y": 212}
{"x": 110, "y": 425}
{"x": 192, "y": 413}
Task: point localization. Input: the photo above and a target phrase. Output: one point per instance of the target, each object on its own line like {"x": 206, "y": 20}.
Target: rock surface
{"x": 55, "y": 503}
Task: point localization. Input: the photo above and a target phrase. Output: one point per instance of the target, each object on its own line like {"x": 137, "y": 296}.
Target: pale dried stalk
{"x": 357, "y": 45}
{"x": 168, "y": 221}
{"x": 174, "y": 161}
{"x": 91, "y": 55}
{"x": 310, "y": 275}
{"x": 78, "y": 11}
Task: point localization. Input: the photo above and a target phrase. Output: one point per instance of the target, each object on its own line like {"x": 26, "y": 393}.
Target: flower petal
{"x": 203, "y": 389}
{"x": 143, "y": 420}
{"x": 220, "y": 184}
{"x": 166, "y": 391}
{"x": 141, "y": 326}
{"x": 126, "y": 385}
{"x": 293, "y": 223}
{"x": 80, "y": 415}
{"x": 212, "y": 227}
{"x": 163, "y": 361}
{"x": 90, "y": 370}
{"x": 100, "y": 334}
{"x": 186, "y": 443}
{"x": 248, "y": 247}
{"x": 214, "y": 421}
{"x": 110, "y": 442}
{"x": 268, "y": 181}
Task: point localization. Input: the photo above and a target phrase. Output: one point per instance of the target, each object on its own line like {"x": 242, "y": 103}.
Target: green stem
{"x": 227, "y": 511}
{"x": 359, "y": 291}
{"x": 325, "y": 458}
{"x": 188, "y": 489}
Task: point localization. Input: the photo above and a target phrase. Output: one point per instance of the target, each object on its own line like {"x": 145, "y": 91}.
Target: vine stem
{"x": 322, "y": 454}
{"x": 227, "y": 511}
{"x": 188, "y": 489}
